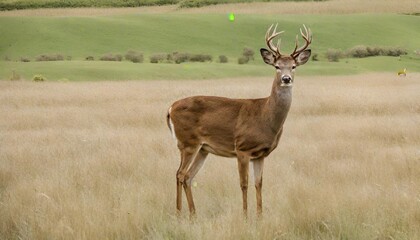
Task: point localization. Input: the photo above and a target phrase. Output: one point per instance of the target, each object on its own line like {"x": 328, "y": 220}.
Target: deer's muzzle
{"x": 286, "y": 79}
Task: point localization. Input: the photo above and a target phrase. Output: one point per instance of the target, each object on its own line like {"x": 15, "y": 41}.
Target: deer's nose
{"x": 286, "y": 79}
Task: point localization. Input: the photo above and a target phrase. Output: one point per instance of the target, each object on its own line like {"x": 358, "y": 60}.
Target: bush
{"x": 199, "y": 3}
{"x": 41, "y": 58}
{"x": 248, "y": 53}
{"x": 25, "y": 59}
{"x": 363, "y": 51}
{"x": 315, "y": 57}
{"x": 394, "y": 52}
{"x": 334, "y": 55}
{"x": 243, "y": 60}
{"x": 201, "y": 58}
{"x": 111, "y": 57}
{"x": 374, "y": 51}
{"x": 181, "y": 57}
{"x": 7, "y": 59}
{"x": 134, "y": 56}
{"x": 28, "y": 4}
{"x": 89, "y": 58}
{"x": 358, "y": 52}
{"x": 49, "y": 57}
{"x": 169, "y": 58}
{"x": 38, "y": 78}
{"x": 223, "y": 59}
{"x": 158, "y": 58}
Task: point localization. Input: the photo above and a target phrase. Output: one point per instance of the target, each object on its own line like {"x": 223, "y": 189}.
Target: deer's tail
{"x": 170, "y": 123}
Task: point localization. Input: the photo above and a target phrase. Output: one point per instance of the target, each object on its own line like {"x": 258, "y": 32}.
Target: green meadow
{"x": 214, "y": 34}
{"x": 29, "y": 4}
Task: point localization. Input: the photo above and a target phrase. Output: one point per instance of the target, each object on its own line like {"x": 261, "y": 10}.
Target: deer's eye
{"x": 294, "y": 66}
{"x": 277, "y": 67}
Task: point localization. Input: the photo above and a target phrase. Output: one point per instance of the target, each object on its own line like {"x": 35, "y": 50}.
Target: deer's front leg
{"x": 243, "y": 167}
{"x": 258, "y": 172}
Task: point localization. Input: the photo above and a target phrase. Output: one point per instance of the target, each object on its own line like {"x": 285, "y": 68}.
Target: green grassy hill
{"x": 28, "y": 4}
{"x": 213, "y": 34}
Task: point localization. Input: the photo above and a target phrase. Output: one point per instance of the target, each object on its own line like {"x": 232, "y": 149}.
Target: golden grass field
{"x": 95, "y": 160}
{"x": 311, "y": 7}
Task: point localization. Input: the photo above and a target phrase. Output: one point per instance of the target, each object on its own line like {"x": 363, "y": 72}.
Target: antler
{"x": 307, "y": 36}
{"x": 269, "y": 36}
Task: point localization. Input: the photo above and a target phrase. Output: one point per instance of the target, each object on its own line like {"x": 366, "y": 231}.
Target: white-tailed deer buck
{"x": 248, "y": 129}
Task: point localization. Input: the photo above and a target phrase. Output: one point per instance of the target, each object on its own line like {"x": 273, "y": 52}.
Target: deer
{"x": 246, "y": 129}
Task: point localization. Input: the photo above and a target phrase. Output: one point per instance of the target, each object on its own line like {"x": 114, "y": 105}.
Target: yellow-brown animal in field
{"x": 402, "y": 73}
{"x": 248, "y": 129}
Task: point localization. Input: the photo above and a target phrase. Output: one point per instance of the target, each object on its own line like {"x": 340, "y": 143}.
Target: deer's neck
{"x": 278, "y": 105}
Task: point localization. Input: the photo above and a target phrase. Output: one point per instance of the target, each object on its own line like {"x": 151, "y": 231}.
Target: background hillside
{"x": 214, "y": 34}
{"x": 28, "y": 4}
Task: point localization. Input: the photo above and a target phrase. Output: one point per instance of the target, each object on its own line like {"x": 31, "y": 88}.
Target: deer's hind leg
{"x": 187, "y": 155}
{"x": 192, "y": 171}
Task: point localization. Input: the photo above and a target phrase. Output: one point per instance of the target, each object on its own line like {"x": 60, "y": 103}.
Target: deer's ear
{"x": 267, "y": 56}
{"x": 303, "y": 57}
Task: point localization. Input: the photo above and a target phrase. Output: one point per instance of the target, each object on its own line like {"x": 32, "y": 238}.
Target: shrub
{"x": 363, "y": 51}
{"x": 248, "y": 53}
{"x": 134, "y": 56}
{"x": 374, "y": 51}
{"x": 359, "y": 51}
{"x": 7, "y": 59}
{"x": 107, "y": 57}
{"x": 129, "y": 55}
{"x": 137, "y": 58}
{"x": 201, "y": 58}
{"x": 243, "y": 60}
{"x": 158, "y": 57}
{"x": 223, "y": 59}
{"x": 394, "y": 52}
{"x": 25, "y": 59}
{"x": 315, "y": 57}
{"x": 41, "y": 58}
{"x": 25, "y": 4}
{"x": 49, "y": 57}
{"x": 199, "y": 3}
{"x": 38, "y": 78}
{"x": 111, "y": 57}
{"x": 169, "y": 58}
{"x": 181, "y": 57}
{"x": 89, "y": 58}
{"x": 334, "y": 55}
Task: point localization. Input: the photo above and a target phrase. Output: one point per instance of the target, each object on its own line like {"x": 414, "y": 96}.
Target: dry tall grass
{"x": 96, "y": 161}
{"x": 309, "y": 7}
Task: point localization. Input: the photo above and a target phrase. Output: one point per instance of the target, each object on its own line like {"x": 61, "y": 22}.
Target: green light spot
{"x": 231, "y": 17}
